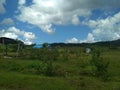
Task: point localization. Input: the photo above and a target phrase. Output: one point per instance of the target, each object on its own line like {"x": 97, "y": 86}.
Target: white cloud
{"x": 73, "y": 40}
{"x": 105, "y": 29}
{"x": 46, "y": 13}
{"x": 27, "y": 42}
{"x": 7, "y": 21}
{"x": 15, "y": 33}
{"x": 2, "y": 9}
{"x": 21, "y": 2}
{"x": 75, "y": 20}
{"x": 47, "y": 28}
{"x": 90, "y": 39}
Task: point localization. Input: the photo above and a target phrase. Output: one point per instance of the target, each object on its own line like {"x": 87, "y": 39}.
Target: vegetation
{"x": 60, "y": 68}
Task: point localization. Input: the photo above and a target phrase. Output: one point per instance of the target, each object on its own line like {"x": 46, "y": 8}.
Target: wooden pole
{"x": 3, "y": 42}
{"x": 6, "y": 49}
{"x": 18, "y": 49}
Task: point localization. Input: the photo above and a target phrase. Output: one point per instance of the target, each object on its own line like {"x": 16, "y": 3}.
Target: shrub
{"x": 85, "y": 68}
{"x": 37, "y": 68}
{"x": 100, "y": 67}
{"x": 52, "y": 70}
{"x": 49, "y": 69}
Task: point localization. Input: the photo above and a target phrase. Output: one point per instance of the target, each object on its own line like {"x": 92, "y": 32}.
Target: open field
{"x": 67, "y": 68}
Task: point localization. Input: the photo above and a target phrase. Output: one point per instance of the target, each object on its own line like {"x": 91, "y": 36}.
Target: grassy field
{"x": 70, "y": 69}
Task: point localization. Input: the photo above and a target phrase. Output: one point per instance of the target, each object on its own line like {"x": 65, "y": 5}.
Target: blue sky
{"x": 75, "y": 21}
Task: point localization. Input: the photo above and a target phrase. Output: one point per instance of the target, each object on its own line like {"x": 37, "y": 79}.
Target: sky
{"x": 55, "y": 21}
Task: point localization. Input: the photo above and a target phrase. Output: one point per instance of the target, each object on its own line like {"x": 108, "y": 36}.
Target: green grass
{"x": 30, "y": 74}
{"x": 16, "y": 81}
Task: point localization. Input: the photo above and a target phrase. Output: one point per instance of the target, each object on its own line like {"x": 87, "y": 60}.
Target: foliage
{"x": 60, "y": 68}
{"x": 45, "y": 45}
{"x": 100, "y": 67}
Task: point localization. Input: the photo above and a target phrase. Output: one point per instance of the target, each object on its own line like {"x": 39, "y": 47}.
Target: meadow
{"x": 60, "y": 68}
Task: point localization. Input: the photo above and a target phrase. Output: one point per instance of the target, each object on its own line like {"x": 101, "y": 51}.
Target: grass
{"x": 29, "y": 74}
{"x": 15, "y": 81}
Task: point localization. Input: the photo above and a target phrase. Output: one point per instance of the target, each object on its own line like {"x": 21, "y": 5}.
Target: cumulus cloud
{"x": 75, "y": 20}
{"x": 15, "y": 33}
{"x": 46, "y": 13}
{"x": 2, "y": 9}
{"x": 21, "y": 2}
{"x": 105, "y": 29}
{"x": 73, "y": 40}
{"x": 29, "y": 36}
{"x": 90, "y": 39}
{"x": 7, "y": 21}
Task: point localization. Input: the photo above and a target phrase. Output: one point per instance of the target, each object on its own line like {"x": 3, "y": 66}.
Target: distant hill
{"x": 106, "y": 43}
{"x": 6, "y": 40}
{"x": 103, "y": 43}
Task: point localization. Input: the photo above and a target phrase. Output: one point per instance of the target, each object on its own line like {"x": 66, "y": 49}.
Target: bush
{"x": 43, "y": 54}
{"x": 52, "y": 70}
{"x": 100, "y": 67}
{"x": 49, "y": 69}
{"x": 37, "y": 68}
{"x": 85, "y": 68}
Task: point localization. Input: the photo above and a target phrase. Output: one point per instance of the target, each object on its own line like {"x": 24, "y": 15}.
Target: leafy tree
{"x": 45, "y": 45}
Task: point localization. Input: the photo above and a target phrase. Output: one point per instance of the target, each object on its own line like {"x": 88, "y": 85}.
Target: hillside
{"x": 105, "y": 43}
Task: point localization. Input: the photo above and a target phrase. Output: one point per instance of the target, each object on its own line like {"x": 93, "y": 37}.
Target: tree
{"x": 45, "y": 45}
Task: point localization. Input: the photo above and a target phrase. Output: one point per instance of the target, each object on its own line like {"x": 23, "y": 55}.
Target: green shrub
{"x": 49, "y": 69}
{"x": 85, "y": 68}
{"x": 52, "y": 70}
{"x": 100, "y": 67}
{"x": 59, "y": 71}
{"x": 38, "y": 68}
